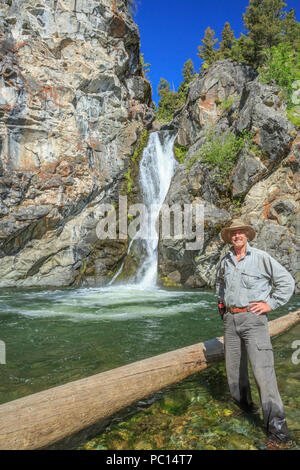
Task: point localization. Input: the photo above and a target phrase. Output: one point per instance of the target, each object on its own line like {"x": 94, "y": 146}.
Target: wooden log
{"x": 41, "y": 419}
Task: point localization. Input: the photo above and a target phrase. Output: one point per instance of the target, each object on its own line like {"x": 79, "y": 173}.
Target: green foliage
{"x": 220, "y": 152}
{"x": 294, "y": 115}
{"x": 188, "y": 71}
{"x": 190, "y": 162}
{"x": 241, "y": 50}
{"x": 291, "y": 30}
{"x": 180, "y": 152}
{"x": 237, "y": 204}
{"x": 207, "y": 51}
{"x": 227, "y": 43}
{"x": 140, "y": 146}
{"x": 145, "y": 66}
{"x": 267, "y": 25}
{"x": 163, "y": 87}
{"x": 166, "y": 282}
{"x": 169, "y": 101}
{"x": 133, "y": 169}
{"x": 227, "y": 103}
{"x": 264, "y": 21}
{"x": 83, "y": 269}
{"x": 129, "y": 179}
{"x": 189, "y": 74}
{"x": 282, "y": 68}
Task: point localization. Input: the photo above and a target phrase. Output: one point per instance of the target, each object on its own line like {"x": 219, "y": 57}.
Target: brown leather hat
{"x": 237, "y": 224}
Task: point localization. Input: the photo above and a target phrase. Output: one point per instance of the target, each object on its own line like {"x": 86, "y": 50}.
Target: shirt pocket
{"x": 250, "y": 280}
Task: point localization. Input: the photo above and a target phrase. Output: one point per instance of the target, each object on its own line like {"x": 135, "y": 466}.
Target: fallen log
{"x": 41, "y": 419}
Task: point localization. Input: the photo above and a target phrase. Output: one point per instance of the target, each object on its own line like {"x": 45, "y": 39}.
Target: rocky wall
{"x": 73, "y": 104}
{"x": 262, "y": 187}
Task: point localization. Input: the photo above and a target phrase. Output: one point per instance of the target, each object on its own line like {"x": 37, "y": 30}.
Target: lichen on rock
{"x": 73, "y": 104}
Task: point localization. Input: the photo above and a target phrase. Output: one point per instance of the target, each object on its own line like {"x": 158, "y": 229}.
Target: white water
{"x": 157, "y": 167}
{"x": 156, "y": 170}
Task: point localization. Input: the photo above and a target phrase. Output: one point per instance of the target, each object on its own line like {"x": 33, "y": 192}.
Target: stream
{"x": 58, "y": 335}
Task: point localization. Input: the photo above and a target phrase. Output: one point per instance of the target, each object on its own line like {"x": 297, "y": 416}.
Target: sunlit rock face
{"x": 73, "y": 103}
{"x": 263, "y": 185}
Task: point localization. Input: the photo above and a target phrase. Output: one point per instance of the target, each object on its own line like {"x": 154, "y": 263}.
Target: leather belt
{"x": 237, "y": 309}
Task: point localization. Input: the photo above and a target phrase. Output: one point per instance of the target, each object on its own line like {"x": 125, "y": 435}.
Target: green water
{"x": 55, "y": 336}
{"x": 198, "y": 414}
{"x": 59, "y": 335}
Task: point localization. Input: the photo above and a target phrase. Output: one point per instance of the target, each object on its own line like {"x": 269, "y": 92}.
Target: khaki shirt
{"x": 252, "y": 279}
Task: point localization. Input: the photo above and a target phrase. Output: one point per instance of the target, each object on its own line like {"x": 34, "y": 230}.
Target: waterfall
{"x": 157, "y": 167}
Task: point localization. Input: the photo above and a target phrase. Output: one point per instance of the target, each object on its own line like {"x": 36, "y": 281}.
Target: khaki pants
{"x": 246, "y": 336}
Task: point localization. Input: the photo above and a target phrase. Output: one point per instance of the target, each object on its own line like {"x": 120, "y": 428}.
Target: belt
{"x": 237, "y": 309}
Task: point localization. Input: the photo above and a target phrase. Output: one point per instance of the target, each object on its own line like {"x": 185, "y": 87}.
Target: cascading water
{"x": 157, "y": 167}
{"x": 156, "y": 170}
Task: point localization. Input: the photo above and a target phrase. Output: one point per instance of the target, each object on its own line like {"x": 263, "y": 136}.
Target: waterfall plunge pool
{"x": 60, "y": 335}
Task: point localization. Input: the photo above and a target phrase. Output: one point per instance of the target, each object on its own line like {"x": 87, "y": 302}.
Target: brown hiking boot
{"x": 274, "y": 443}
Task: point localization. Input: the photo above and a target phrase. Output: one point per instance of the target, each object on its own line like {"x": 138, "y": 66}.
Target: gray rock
{"x": 73, "y": 105}
{"x": 263, "y": 185}
{"x": 246, "y": 172}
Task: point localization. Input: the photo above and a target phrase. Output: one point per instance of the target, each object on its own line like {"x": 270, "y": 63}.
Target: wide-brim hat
{"x": 237, "y": 225}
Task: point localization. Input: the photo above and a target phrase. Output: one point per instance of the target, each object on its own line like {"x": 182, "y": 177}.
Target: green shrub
{"x": 227, "y": 103}
{"x": 221, "y": 151}
{"x": 180, "y": 152}
{"x": 294, "y": 115}
{"x": 282, "y": 68}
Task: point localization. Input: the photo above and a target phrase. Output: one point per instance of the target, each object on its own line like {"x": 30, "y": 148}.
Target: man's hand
{"x": 259, "y": 308}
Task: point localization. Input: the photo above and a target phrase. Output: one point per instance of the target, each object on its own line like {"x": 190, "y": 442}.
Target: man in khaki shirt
{"x": 251, "y": 283}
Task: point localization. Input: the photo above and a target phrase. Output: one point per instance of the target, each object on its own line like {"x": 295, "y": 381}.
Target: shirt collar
{"x": 248, "y": 250}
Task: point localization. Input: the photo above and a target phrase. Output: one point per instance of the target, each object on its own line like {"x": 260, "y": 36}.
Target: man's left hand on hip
{"x": 259, "y": 308}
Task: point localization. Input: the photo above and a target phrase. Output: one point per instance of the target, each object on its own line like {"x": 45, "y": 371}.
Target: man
{"x": 245, "y": 279}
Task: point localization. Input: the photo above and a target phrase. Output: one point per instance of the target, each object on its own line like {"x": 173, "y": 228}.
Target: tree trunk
{"x": 41, "y": 419}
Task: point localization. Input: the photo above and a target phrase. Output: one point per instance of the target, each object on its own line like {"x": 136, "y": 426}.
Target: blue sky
{"x": 172, "y": 30}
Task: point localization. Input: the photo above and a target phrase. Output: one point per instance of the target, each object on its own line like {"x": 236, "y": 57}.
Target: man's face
{"x": 238, "y": 238}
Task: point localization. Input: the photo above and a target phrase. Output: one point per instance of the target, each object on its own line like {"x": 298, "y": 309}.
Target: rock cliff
{"x": 73, "y": 105}
{"x": 228, "y": 101}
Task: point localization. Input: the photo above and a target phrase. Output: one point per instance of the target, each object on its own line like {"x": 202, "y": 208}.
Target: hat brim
{"x": 226, "y": 232}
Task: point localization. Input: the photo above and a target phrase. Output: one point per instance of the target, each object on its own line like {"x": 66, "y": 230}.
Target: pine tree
{"x": 207, "y": 51}
{"x": 163, "y": 87}
{"x": 189, "y": 74}
{"x": 169, "y": 101}
{"x": 188, "y": 71}
{"x": 242, "y": 49}
{"x": 227, "y": 42}
{"x": 263, "y": 20}
{"x": 291, "y": 30}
